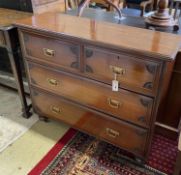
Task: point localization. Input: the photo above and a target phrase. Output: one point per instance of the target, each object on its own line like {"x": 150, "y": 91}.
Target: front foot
{"x": 140, "y": 161}
{"x": 26, "y": 112}
{"x": 175, "y": 28}
{"x": 43, "y": 118}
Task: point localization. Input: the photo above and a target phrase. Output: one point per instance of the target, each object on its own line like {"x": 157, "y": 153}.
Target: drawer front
{"x": 2, "y": 39}
{"x": 51, "y": 51}
{"x": 112, "y": 130}
{"x": 123, "y": 104}
{"x": 132, "y": 73}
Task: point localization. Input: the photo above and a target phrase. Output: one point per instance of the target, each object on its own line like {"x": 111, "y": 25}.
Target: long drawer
{"x": 132, "y": 73}
{"x": 125, "y": 105}
{"x": 108, "y": 128}
{"x": 51, "y": 51}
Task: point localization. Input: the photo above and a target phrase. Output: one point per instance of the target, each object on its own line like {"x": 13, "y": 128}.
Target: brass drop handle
{"x": 48, "y": 52}
{"x": 55, "y": 109}
{"x": 52, "y": 81}
{"x": 112, "y": 133}
{"x": 113, "y": 103}
{"x": 117, "y": 70}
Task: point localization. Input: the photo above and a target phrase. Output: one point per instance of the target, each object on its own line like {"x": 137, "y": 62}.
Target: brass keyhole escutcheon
{"x": 112, "y": 133}
{"x": 48, "y": 52}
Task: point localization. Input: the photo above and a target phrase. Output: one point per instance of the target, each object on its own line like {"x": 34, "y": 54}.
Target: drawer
{"x": 132, "y": 73}
{"x": 2, "y": 39}
{"x": 123, "y": 104}
{"x": 51, "y": 51}
{"x": 112, "y": 130}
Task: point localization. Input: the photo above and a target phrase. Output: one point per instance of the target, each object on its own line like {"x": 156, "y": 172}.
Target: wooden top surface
{"x": 7, "y": 16}
{"x": 135, "y": 39}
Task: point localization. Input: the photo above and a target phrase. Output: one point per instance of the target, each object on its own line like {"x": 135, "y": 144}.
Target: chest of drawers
{"x": 70, "y": 71}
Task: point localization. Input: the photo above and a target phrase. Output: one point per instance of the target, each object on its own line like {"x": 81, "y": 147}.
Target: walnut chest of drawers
{"x": 71, "y": 63}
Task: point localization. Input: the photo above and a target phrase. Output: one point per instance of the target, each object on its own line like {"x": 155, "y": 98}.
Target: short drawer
{"x": 132, "y": 73}
{"x": 112, "y": 130}
{"x": 51, "y": 51}
{"x": 123, "y": 104}
{"x": 2, "y": 39}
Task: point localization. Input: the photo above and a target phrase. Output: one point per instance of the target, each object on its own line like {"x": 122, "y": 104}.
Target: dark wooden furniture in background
{"x": 41, "y": 6}
{"x": 162, "y": 18}
{"x": 175, "y": 4}
{"x": 21, "y": 5}
{"x": 85, "y": 3}
{"x": 100, "y": 4}
{"x": 143, "y": 5}
{"x": 35, "y": 6}
{"x": 71, "y": 65}
{"x": 9, "y": 40}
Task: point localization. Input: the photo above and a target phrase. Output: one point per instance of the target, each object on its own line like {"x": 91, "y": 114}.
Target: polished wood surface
{"x": 160, "y": 45}
{"x": 111, "y": 130}
{"x": 70, "y": 64}
{"x": 125, "y": 105}
{"x": 7, "y": 16}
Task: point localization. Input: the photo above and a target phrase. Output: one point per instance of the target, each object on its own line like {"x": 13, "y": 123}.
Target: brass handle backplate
{"x": 52, "y": 81}
{"x": 112, "y": 133}
{"x": 113, "y": 103}
{"x": 117, "y": 70}
{"x": 48, "y": 52}
{"x": 55, "y": 109}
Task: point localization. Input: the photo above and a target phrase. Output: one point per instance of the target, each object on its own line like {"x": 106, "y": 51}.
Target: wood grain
{"x": 159, "y": 44}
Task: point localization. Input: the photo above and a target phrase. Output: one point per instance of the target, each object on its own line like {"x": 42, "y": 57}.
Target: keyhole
{"x": 118, "y": 57}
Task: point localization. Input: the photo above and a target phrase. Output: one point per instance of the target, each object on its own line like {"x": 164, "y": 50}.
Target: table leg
{"x": 16, "y": 69}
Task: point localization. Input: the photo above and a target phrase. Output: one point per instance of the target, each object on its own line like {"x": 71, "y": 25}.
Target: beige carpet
{"x": 12, "y": 124}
